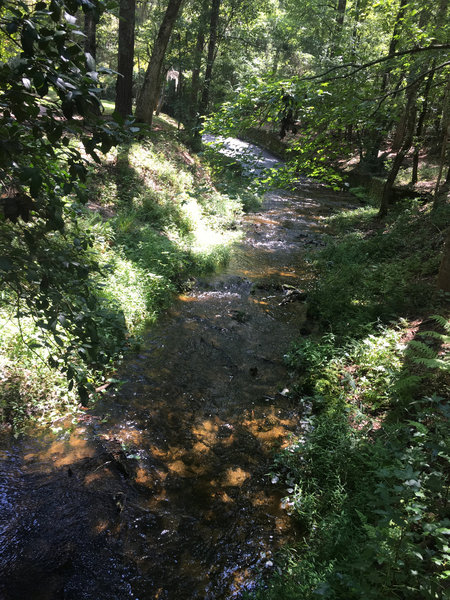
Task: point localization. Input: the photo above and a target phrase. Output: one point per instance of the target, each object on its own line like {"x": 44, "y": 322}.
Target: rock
{"x": 239, "y": 316}
{"x": 293, "y": 295}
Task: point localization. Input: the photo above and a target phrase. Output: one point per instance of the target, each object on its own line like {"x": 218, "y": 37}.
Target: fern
{"x": 422, "y": 354}
{"x": 420, "y": 348}
{"x": 442, "y": 321}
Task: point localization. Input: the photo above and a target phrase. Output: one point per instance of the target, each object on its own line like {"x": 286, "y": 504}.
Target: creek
{"x": 161, "y": 491}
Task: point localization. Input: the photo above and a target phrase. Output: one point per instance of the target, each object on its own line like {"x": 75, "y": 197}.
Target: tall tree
{"x": 124, "y": 85}
{"x": 148, "y": 96}
{"x": 90, "y": 31}
{"x": 213, "y": 26}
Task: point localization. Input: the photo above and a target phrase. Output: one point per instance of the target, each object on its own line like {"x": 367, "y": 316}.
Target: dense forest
{"x": 113, "y": 204}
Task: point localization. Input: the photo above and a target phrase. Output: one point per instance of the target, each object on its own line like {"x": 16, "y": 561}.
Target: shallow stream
{"x": 161, "y": 491}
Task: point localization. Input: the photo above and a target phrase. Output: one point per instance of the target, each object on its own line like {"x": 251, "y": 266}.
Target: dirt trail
{"x": 163, "y": 491}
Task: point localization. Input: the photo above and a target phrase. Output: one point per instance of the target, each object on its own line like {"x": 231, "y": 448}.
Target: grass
{"x": 166, "y": 225}
{"x": 155, "y": 219}
{"x": 427, "y": 172}
{"x": 373, "y": 271}
{"x": 368, "y": 480}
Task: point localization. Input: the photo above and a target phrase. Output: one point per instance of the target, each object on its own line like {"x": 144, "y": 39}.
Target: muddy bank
{"x": 162, "y": 491}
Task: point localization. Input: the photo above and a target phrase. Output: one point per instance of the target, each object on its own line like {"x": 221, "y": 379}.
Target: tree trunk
{"x": 180, "y": 89}
{"x": 213, "y": 27}
{"x": 420, "y": 127}
{"x": 124, "y": 82}
{"x": 443, "y": 280}
{"x": 148, "y": 96}
{"x": 342, "y": 5}
{"x": 339, "y": 25}
{"x": 90, "y": 31}
{"x": 193, "y": 113}
{"x": 410, "y": 122}
{"x": 371, "y": 155}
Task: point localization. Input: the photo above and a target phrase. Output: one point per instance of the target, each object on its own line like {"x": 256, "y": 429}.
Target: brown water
{"x": 162, "y": 491}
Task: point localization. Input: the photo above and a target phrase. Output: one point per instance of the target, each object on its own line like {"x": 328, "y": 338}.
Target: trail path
{"x": 163, "y": 491}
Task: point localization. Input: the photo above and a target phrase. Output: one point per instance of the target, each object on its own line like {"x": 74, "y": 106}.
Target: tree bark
{"x": 444, "y": 145}
{"x": 192, "y": 120}
{"x": 443, "y": 281}
{"x": 148, "y": 96}
{"x": 213, "y": 27}
{"x": 410, "y": 122}
{"x": 371, "y": 155}
{"x": 90, "y": 31}
{"x": 419, "y": 130}
{"x": 124, "y": 84}
{"x": 342, "y": 5}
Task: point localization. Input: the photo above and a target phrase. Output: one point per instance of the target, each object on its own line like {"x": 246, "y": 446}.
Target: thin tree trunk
{"x": 148, "y": 96}
{"x": 180, "y": 90}
{"x": 90, "y": 45}
{"x": 443, "y": 280}
{"x": 339, "y": 25}
{"x": 445, "y": 139}
{"x": 193, "y": 112}
{"x": 124, "y": 82}
{"x": 410, "y": 114}
{"x": 420, "y": 127}
{"x": 90, "y": 31}
{"x": 195, "y": 85}
{"x": 372, "y": 152}
{"x": 214, "y": 23}
{"x": 342, "y": 5}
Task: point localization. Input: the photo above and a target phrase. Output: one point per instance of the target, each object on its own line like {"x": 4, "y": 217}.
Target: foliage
{"x": 368, "y": 478}
{"x": 153, "y": 222}
{"x": 375, "y": 272}
{"x": 49, "y": 98}
{"x": 374, "y": 509}
{"x": 371, "y": 498}
{"x": 353, "y": 81}
{"x": 422, "y": 354}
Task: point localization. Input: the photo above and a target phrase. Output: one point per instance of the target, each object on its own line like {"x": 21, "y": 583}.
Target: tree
{"x": 125, "y": 62}
{"x": 148, "y": 96}
{"x": 444, "y": 271}
{"x": 90, "y": 30}
{"x": 213, "y": 25}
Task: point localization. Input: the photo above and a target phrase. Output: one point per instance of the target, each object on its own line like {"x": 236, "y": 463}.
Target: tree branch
{"x": 406, "y": 87}
{"x": 356, "y": 68}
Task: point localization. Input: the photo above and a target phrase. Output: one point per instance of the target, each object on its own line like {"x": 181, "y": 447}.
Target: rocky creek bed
{"x": 161, "y": 490}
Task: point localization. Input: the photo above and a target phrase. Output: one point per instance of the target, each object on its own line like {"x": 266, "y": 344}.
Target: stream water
{"x": 161, "y": 491}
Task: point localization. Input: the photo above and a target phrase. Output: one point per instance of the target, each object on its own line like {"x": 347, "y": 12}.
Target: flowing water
{"x": 162, "y": 491}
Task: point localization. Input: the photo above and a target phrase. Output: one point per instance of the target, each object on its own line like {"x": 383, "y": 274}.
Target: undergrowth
{"x": 371, "y": 270}
{"x": 154, "y": 219}
{"x": 368, "y": 479}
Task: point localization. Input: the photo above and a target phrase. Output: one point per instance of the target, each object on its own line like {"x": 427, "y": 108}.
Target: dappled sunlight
{"x": 235, "y": 476}
{"x": 177, "y": 469}
{"x": 64, "y": 452}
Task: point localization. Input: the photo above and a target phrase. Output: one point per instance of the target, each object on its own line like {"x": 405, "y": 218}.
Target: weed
{"x": 375, "y": 272}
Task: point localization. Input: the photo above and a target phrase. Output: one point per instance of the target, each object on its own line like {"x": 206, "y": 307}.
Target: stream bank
{"x": 161, "y": 491}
